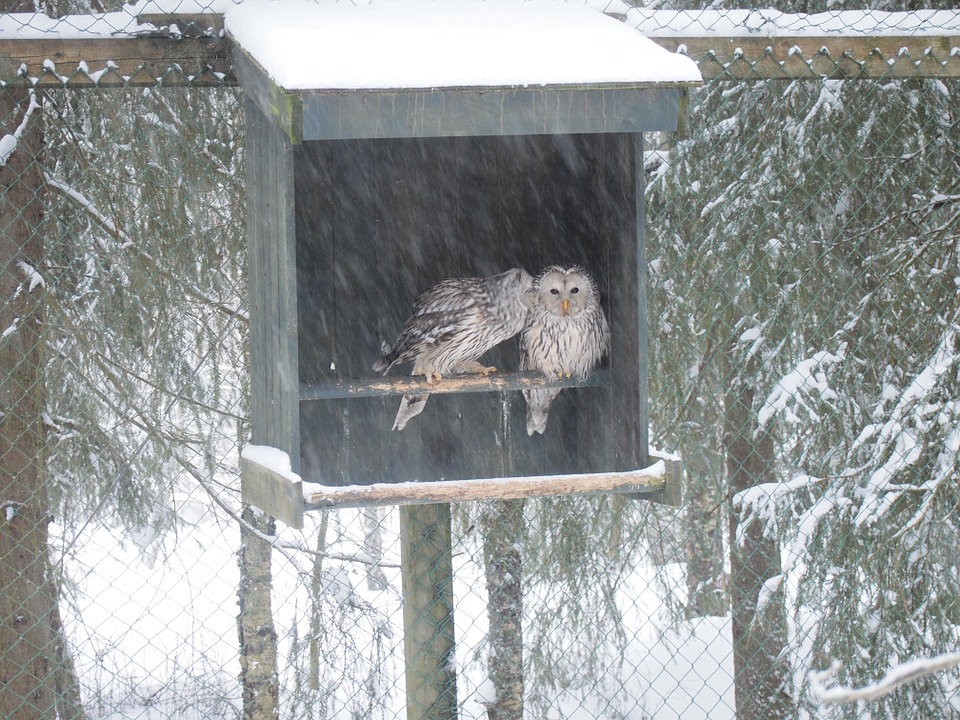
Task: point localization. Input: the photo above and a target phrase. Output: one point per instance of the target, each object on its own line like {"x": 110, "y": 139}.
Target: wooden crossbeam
{"x": 853, "y": 57}
{"x": 117, "y": 62}
{"x": 189, "y": 51}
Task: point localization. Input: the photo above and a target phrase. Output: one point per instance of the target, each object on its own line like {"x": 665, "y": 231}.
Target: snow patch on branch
{"x": 899, "y": 440}
{"x": 35, "y": 279}
{"x": 10, "y": 508}
{"x": 760, "y": 502}
{"x": 11, "y": 329}
{"x": 807, "y": 378}
{"x": 89, "y": 208}
{"x": 827, "y": 506}
{"x": 900, "y": 675}
{"x": 11, "y": 141}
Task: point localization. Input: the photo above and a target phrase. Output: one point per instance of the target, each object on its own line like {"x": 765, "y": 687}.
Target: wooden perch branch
{"x": 496, "y": 382}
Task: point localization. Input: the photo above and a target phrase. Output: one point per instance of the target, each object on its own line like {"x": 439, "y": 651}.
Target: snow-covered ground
{"x": 153, "y": 631}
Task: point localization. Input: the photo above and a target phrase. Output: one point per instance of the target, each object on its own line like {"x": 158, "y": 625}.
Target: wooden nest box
{"x": 384, "y": 156}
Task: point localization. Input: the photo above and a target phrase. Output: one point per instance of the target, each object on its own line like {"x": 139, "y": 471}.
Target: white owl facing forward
{"x": 566, "y": 334}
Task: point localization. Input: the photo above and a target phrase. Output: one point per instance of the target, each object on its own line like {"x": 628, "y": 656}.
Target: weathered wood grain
{"x": 119, "y": 62}
{"x": 853, "y": 57}
{"x": 272, "y": 492}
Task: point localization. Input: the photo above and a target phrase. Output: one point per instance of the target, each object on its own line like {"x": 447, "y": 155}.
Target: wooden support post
{"x": 428, "y": 638}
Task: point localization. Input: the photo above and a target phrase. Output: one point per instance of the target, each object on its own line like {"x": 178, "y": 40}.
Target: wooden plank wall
{"x": 427, "y": 209}
{"x": 271, "y": 276}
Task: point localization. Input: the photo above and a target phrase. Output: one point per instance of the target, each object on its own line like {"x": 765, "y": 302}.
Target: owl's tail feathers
{"x": 537, "y": 419}
{"x": 538, "y": 408}
{"x": 410, "y": 407}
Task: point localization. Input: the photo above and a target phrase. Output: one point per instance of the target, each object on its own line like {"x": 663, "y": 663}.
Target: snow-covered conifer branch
{"x": 10, "y": 141}
{"x": 900, "y": 675}
{"x": 126, "y": 241}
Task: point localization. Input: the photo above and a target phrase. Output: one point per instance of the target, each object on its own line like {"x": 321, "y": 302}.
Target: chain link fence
{"x": 804, "y": 314}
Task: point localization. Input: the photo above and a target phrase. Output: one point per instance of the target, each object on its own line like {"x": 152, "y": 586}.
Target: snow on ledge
{"x": 273, "y": 459}
{"x": 487, "y": 488}
{"x": 406, "y": 44}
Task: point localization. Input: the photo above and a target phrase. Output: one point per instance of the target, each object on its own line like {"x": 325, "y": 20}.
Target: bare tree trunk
{"x": 704, "y": 529}
{"x": 759, "y": 633}
{"x": 373, "y": 546}
{"x": 502, "y": 539}
{"x": 316, "y": 588}
{"x": 66, "y": 682}
{"x": 28, "y": 659}
{"x": 258, "y": 638}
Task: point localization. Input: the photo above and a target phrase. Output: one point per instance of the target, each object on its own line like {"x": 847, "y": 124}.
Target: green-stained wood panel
{"x": 459, "y": 112}
{"x": 272, "y": 282}
{"x": 467, "y": 112}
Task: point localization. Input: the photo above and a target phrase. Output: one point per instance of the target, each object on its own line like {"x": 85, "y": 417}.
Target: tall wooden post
{"x": 426, "y": 559}
{"x": 28, "y": 603}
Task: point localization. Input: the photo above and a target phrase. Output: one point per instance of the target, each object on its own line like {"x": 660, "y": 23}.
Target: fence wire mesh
{"x": 804, "y": 312}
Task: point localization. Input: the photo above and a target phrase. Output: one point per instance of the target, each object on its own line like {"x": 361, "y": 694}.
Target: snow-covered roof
{"x": 401, "y": 44}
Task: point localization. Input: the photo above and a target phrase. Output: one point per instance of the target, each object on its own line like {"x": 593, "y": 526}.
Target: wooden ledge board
{"x": 275, "y": 494}
{"x": 648, "y": 479}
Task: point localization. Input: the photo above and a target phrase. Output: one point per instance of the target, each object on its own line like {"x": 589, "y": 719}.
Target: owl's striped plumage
{"x": 455, "y": 322}
{"x": 566, "y": 334}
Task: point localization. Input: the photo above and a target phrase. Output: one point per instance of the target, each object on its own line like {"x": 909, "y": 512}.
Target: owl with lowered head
{"x": 454, "y": 322}
{"x": 566, "y": 334}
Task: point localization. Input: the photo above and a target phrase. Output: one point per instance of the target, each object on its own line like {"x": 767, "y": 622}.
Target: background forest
{"x": 804, "y": 314}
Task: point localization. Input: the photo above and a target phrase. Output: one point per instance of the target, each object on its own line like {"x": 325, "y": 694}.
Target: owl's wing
{"x": 442, "y": 313}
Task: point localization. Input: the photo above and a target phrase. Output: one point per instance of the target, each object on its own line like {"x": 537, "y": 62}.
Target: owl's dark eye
{"x": 574, "y": 291}
{"x": 554, "y": 291}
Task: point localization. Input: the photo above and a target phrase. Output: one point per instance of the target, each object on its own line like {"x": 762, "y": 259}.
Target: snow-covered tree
{"x": 804, "y": 249}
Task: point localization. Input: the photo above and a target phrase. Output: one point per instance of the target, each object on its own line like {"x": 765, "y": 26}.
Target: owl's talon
{"x": 487, "y": 370}
{"x": 434, "y": 378}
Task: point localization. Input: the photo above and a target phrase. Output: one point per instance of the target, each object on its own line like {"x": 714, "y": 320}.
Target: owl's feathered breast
{"x": 560, "y": 345}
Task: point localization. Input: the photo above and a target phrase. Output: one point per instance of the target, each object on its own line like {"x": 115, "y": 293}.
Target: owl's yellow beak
{"x": 565, "y": 305}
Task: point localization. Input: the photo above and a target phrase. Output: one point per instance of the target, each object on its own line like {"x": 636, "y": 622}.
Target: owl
{"x": 455, "y": 322}
{"x": 566, "y": 334}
